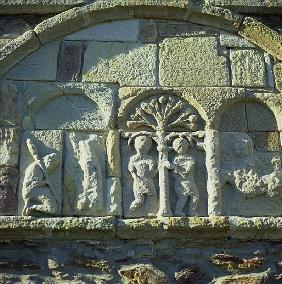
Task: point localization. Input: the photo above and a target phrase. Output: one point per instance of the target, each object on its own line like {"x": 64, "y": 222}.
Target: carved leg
{"x": 138, "y": 201}
{"x": 181, "y": 201}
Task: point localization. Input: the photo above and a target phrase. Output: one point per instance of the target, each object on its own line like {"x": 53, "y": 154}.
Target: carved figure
{"x": 143, "y": 169}
{"x": 38, "y": 191}
{"x": 183, "y": 167}
{"x": 251, "y": 184}
{"x": 92, "y": 195}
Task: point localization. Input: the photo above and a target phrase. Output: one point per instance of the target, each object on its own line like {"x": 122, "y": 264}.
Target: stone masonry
{"x": 140, "y": 141}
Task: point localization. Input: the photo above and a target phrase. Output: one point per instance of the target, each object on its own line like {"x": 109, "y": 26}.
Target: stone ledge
{"x": 190, "y": 228}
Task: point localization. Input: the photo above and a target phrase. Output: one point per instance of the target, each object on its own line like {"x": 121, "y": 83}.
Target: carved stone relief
{"x": 41, "y": 177}
{"x": 87, "y": 189}
{"x": 161, "y": 158}
{"x": 250, "y": 163}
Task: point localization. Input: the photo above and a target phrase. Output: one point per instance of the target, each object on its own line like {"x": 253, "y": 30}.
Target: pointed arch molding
{"x": 104, "y": 10}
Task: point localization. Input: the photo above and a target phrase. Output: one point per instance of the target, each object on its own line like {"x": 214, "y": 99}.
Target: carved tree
{"x": 163, "y": 114}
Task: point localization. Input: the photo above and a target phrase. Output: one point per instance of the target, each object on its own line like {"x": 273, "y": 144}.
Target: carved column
{"x": 213, "y": 169}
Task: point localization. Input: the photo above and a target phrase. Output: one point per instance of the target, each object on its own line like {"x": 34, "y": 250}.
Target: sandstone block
{"x": 191, "y": 61}
{"x": 40, "y": 192}
{"x": 18, "y": 49}
{"x": 253, "y": 278}
{"x": 248, "y": 68}
{"x": 9, "y": 147}
{"x": 263, "y": 36}
{"x": 8, "y": 184}
{"x": 41, "y": 65}
{"x": 68, "y": 105}
{"x": 121, "y": 31}
{"x": 125, "y": 63}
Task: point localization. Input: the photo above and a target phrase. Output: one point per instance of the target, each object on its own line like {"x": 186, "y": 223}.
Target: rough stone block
{"x": 248, "y": 68}
{"x": 8, "y": 184}
{"x": 70, "y": 60}
{"x": 232, "y": 40}
{"x": 9, "y": 147}
{"x": 40, "y": 192}
{"x": 121, "y": 31}
{"x": 8, "y": 104}
{"x": 41, "y": 65}
{"x": 17, "y": 49}
{"x": 125, "y": 63}
{"x": 180, "y": 29}
{"x": 263, "y": 36}
{"x": 68, "y": 105}
{"x": 191, "y": 61}
{"x": 253, "y": 278}
{"x": 267, "y": 141}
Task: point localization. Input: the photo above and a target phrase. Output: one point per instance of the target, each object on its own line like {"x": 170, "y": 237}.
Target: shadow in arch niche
{"x": 164, "y": 171}
{"x": 250, "y": 161}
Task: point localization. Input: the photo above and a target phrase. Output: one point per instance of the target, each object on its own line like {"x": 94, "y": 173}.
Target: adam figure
{"x": 143, "y": 170}
{"x": 183, "y": 167}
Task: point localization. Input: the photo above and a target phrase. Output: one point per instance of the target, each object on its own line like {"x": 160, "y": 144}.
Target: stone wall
{"x": 140, "y": 142}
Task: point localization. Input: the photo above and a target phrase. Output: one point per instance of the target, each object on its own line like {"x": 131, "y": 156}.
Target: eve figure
{"x": 183, "y": 167}
{"x": 38, "y": 191}
{"x": 143, "y": 170}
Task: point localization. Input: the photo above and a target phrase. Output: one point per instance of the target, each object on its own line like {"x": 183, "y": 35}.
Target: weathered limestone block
{"x": 121, "y": 31}
{"x": 125, "y": 63}
{"x": 248, "y": 68}
{"x": 142, "y": 273}
{"x": 8, "y": 184}
{"x": 70, "y": 60}
{"x": 88, "y": 190}
{"x": 40, "y": 65}
{"x": 263, "y": 36}
{"x": 8, "y": 104}
{"x": 40, "y": 192}
{"x": 9, "y": 147}
{"x": 191, "y": 61}
{"x": 18, "y": 49}
{"x": 278, "y": 76}
{"x": 68, "y": 105}
{"x": 232, "y": 40}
